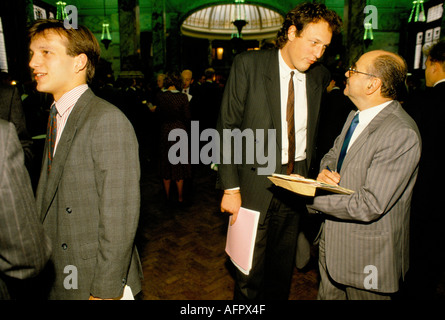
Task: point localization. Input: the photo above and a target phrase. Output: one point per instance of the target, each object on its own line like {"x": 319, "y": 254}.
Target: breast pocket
{"x": 88, "y": 250}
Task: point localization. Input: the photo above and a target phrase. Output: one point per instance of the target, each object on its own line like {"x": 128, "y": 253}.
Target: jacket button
{"x": 69, "y": 210}
{"x": 64, "y": 246}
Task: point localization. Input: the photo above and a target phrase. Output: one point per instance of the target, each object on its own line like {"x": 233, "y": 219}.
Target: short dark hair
{"x": 209, "y": 73}
{"x": 392, "y": 70}
{"x": 80, "y": 40}
{"x": 173, "y": 78}
{"x": 437, "y": 53}
{"x": 306, "y": 13}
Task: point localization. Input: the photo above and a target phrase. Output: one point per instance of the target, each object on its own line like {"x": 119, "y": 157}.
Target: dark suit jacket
{"x": 251, "y": 100}
{"x": 11, "y": 110}
{"x": 334, "y": 110}
{"x": 89, "y": 202}
{"x": 205, "y": 104}
{"x": 431, "y": 128}
{"x": 24, "y": 248}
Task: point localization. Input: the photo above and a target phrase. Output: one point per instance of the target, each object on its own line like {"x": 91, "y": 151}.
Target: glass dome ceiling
{"x": 215, "y": 22}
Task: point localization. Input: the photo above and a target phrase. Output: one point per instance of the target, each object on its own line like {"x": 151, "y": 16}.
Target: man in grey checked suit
{"x": 24, "y": 247}
{"x": 364, "y": 246}
{"x": 89, "y": 199}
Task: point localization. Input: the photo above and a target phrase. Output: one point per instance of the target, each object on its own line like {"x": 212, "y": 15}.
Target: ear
{"x": 291, "y": 33}
{"x": 374, "y": 84}
{"x": 80, "y": 62}
{"x": 435, "y": 66}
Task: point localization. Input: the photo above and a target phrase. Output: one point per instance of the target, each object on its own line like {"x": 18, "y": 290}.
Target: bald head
{"x": 187, "y": 78}
{"x": 391, "y": 69}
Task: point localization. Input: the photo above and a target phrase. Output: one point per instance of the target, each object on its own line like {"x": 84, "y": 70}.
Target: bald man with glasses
{"x": 364, "y": 245}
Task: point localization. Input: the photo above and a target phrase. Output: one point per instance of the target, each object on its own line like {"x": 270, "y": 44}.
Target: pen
{"x": 327, "y": 167}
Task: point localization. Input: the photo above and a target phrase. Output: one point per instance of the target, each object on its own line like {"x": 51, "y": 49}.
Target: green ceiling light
{"x": 61, "y": 13}
{"x": 368, "y": 32}
{"x": 240, "y": 16}
{"x": 106, "y": 36}
{"x": 368, "y": 37}
{"x": 417, "y": 12}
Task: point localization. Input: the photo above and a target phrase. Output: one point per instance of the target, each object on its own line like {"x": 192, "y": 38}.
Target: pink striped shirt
{"x": 64, "y": 107}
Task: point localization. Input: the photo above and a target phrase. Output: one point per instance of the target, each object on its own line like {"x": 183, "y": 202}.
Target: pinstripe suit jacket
{"x": 24, "y": 248}
{"x": 89, "y": 203}
{"x": 371, "y": 226}
{"x": 251, "y": 101}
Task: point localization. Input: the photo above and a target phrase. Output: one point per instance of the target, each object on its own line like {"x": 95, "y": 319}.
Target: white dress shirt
{"x": 364, "y": 118}
{"x": 300, "y": 111}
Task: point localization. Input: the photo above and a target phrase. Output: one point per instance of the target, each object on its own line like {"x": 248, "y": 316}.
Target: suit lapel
{"x": 313, "y": 86}
{"x": 271, "y": 78}
{"x": 372, "y": 126}
{"x": 62, "y": 151}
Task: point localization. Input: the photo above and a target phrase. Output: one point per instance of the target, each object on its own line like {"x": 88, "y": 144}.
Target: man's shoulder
{"x": 255, "y": 55}
{"x": 318, "y": 69}
{"x": 99, "y": 108}
{"x": 4, "y": 124}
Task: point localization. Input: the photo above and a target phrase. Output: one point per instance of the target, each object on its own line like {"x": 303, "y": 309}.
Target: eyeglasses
{"x": 352, "y": 70}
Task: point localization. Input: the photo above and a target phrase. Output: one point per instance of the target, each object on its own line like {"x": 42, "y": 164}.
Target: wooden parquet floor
{"x": 182, "y": 249}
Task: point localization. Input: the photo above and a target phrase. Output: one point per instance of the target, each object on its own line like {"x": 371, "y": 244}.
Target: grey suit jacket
{"x": 24, "y": 248}
{"x": 89, "y": 203}
{"x": 371, "y": 226}
{"x": 251, "y": 100}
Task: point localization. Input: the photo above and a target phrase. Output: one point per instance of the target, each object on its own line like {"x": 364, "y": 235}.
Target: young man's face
{"x": 54, "y": 70}
{"x": 301, "y": 52}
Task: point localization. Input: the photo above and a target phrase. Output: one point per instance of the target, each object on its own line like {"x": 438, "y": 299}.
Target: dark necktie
{"x": 51, "y": 134}
{"x": 290, "y": 126}
{"x": 348, "y": 136}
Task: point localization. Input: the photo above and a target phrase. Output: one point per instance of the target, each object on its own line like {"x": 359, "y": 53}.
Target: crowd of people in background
{"x": 135, "y": 97}
{"x": 394, "y": 129}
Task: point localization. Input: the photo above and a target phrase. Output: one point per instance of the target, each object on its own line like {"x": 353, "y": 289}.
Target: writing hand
{"x": 328, "y": 176}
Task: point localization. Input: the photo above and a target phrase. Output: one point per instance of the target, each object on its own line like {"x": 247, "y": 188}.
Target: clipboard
{"x": 304, "y": 186}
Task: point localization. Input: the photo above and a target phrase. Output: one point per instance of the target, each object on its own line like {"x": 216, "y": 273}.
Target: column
{"x": 159, "y": 28}
{"x": 129, "y": 32}
{"x": 353, "y": 29}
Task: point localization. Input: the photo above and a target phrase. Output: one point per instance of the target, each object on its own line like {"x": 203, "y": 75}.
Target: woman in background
{"x": 174, "y": 112}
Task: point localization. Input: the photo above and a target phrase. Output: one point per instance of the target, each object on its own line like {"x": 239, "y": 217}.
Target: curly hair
{"x": 306, "y": 13}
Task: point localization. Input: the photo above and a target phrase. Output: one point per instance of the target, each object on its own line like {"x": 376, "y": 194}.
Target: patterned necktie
{"x": 348, "y": 136}
{"x": 290, "y": 126}
{"x": 51, "y": 134}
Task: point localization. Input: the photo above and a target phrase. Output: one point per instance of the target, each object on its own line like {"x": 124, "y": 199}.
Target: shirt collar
{"x": 440, "y": 81}
{"x": 367, "y": 115}
{"x": 285, "y": 70}
{"x": 70, "y": 98}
